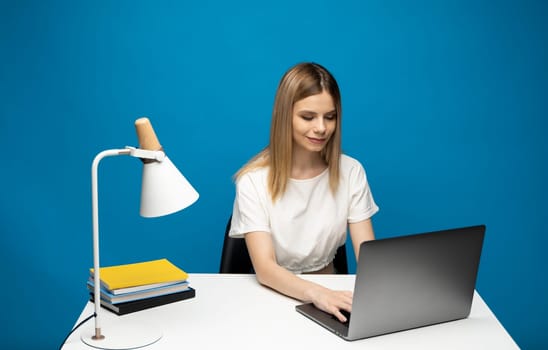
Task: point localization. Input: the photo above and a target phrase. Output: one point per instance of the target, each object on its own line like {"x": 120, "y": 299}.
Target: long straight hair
{"x": 299, "y": 82}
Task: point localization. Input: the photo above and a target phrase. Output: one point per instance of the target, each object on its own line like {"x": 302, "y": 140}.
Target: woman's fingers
{"x": 334, "y": 302}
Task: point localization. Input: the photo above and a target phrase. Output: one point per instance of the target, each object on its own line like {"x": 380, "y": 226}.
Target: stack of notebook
{"x": 134, "y": 287}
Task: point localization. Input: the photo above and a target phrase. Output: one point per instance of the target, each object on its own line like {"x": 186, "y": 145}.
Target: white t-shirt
{"x": 307, "y": 222}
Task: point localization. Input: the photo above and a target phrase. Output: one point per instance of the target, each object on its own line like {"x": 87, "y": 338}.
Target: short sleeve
{"x": 250, "y": 211}
{"x": 362, "y": 206}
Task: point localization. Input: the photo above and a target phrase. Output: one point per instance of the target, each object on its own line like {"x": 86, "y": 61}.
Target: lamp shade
{"x": 164, "y": 189}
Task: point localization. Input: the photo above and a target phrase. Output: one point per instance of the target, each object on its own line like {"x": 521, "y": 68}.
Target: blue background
{"x": 444, "y": 104}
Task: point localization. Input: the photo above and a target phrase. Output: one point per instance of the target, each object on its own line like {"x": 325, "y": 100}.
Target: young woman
{"x": 296, "y": 198}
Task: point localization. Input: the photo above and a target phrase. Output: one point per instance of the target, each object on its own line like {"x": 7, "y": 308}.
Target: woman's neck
{"x": 306, "y": 165}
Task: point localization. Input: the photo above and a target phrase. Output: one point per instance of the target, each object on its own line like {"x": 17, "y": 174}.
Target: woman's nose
{"x": 320, "y": 126}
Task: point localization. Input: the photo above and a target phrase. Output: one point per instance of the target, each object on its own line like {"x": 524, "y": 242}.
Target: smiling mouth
{"x": 316, "y": 141}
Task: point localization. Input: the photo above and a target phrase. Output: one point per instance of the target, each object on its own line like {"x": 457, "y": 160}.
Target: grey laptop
{"x": 408, "y": 282}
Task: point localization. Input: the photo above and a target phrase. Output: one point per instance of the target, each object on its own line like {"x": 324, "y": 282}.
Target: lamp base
{"x": 122, "y": 335}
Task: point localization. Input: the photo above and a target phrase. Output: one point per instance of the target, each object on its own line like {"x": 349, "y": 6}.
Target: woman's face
{"x": 314, "y": 121}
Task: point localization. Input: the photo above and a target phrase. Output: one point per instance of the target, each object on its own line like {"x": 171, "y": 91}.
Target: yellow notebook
{"x": 139, "y": 274}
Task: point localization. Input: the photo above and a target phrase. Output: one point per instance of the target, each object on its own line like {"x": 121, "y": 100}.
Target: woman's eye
{"x": 307, "y": 117}
{"x": 330, "y": 117}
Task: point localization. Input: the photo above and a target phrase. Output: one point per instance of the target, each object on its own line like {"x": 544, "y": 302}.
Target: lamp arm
{"x": 145, "y": 154}
{"x": 95, "y": 222}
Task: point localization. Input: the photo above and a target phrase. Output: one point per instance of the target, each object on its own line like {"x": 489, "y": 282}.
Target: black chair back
{"x": 235, "y": 257}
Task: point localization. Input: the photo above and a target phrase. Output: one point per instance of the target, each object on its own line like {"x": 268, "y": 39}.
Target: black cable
{"x": 75, "y": 328}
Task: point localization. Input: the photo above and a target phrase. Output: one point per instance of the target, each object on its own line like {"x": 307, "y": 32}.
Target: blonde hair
{"x": 299, "y": 82}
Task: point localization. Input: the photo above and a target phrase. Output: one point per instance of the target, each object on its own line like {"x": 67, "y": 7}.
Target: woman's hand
{"x": 269, "y": 273}
{"x": 331, "y": 301}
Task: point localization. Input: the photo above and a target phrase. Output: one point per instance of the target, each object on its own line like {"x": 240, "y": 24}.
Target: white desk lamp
{"x": 164, "y": 191}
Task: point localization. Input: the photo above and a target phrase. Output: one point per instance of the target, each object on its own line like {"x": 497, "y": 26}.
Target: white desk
{"x": 235, "y": 312}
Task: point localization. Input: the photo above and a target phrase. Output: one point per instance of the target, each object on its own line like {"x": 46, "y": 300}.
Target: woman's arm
{"x": 360, "y": 232}
{"x": 269, "y": 273}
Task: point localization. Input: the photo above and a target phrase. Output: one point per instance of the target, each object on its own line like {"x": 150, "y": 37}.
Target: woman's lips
{"x": 316, "y": 141}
